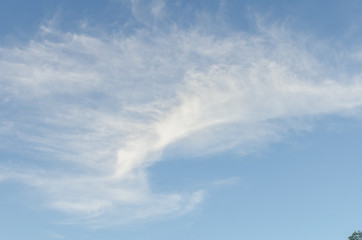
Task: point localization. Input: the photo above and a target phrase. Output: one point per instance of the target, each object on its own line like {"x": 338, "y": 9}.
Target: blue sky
{"x": 134, "y": 119}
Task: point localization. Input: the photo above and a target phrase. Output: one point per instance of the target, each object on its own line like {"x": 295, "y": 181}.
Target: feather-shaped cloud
{"x": 101, "y": 110}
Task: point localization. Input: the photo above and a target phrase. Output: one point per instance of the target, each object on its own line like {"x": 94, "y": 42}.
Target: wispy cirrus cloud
{"x": 101, "y": 110}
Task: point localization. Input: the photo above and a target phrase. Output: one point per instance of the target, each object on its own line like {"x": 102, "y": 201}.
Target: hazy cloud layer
{"x": 92, "y": 113}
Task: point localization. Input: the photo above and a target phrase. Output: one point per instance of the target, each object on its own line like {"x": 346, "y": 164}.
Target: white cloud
{"x": 227, "y": 181}
{"x": 101, "y": 110}
{"x": 147, "y": 12}
{"x": 158, "y": 8}
{"x": 54, "y": 235}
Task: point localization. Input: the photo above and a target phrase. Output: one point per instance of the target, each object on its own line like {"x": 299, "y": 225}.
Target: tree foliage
{"x": 356, "y": 236}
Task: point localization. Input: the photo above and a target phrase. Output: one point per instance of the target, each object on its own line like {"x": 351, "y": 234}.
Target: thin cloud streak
{"x": 104, "y": 109}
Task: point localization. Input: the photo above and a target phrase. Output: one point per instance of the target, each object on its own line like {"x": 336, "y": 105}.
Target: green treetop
{"x": 356, "y": 236}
